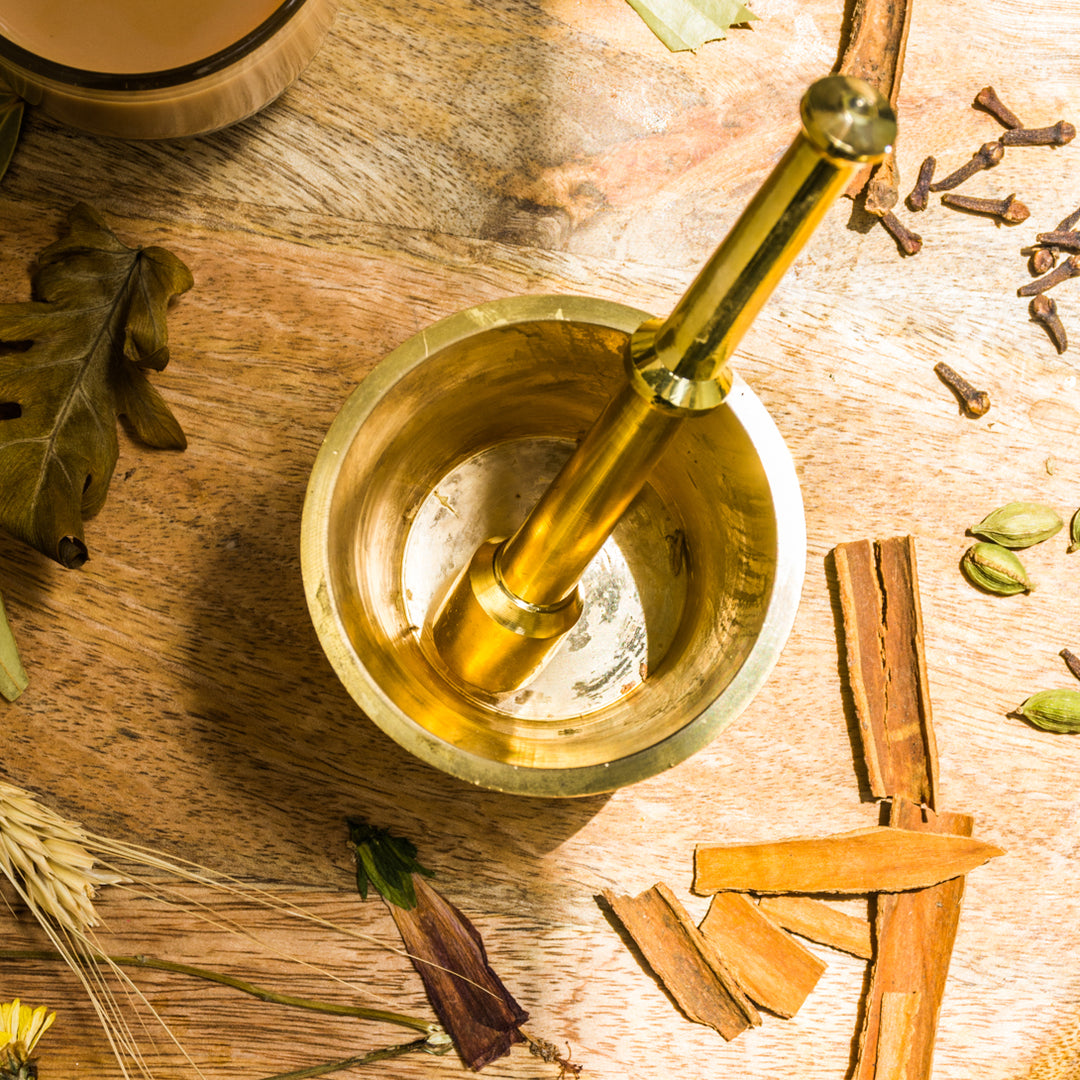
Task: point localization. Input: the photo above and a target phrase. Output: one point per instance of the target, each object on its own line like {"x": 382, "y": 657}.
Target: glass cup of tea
{"x": 157, "y": 69}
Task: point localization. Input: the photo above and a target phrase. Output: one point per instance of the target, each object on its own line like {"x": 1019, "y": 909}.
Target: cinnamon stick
{"x": 817, "y": 921}
{"x": 886, "y": 666}
{"x": 914, "y": 933}
{"x": 875, "y": 50}
{"x": 882, "y": 858}
{"x": 684, "y": 960}
{"x": 776, "y": 972}
{"x": 896, "y": 1027}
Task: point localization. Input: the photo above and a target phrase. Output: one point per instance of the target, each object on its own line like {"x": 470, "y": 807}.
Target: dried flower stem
{"x": 150, "y": 963}
{"x": 1044, "y": 310}
{"x": 416, "y": 1046}
{"x": 988, "y": 99}
{"x": 974, "y": 402}
{"x": 920, "y": 193}
{"x": 910, "y": 243}
{"x": 986, "y": 157}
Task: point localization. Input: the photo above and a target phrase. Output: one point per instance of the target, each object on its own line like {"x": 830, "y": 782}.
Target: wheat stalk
{"x": 56, "y": 868}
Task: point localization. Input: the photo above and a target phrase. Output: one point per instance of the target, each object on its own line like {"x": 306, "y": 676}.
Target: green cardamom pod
{"x": 1074, "y": 533}
{"x": 995, "y": 569}
{"x": 1019, "y": 525}
{"x": 1053, "y": 710}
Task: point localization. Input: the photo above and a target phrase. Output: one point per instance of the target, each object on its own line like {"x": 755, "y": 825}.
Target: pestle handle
{"x": 512, "y": 605}
{"x": 681, "y": 362}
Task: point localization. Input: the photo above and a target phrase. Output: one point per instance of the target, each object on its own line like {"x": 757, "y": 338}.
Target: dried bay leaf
{"x": 684, "y": 25}
{"x": 472, "y": 1003}
{"x": 72, "y": 360}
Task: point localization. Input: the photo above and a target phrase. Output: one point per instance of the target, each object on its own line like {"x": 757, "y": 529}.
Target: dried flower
{"x": 470, "y": 1000}
{"x": 20, "y": 1029}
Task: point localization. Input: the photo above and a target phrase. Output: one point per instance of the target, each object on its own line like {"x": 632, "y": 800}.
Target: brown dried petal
{"x": 469, "y": 999}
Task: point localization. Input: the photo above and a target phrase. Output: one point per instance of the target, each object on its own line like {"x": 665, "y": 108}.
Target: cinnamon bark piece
{"x": 776, "y": 972}
{"x": 818, "y": 921}
{"x": 896, "y": 1026}
{"x": 914, "y": 932}
{"x": 684, "y": 960}
{"x": 882, "y": 858}
{"x": 875, "y": 53}
{"x": 886, "y": 666}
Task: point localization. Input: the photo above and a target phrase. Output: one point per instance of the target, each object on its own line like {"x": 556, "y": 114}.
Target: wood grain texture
{"x": 437, "y": 155}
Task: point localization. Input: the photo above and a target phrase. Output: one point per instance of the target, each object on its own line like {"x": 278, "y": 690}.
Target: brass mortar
{"x": 697, "y": 588}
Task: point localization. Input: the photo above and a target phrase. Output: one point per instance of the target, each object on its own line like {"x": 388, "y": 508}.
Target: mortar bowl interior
{"x": 448, "y": 442}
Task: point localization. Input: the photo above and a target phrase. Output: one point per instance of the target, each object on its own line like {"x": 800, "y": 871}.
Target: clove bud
{"x": 1057, "y": 135}
{"x": 1009, "y": 209}
{"x": 987, "y": 156}
{"x": 1043, "y": 310}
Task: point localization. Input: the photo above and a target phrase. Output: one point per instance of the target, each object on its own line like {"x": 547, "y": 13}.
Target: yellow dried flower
{"x": 20, "y": 1029}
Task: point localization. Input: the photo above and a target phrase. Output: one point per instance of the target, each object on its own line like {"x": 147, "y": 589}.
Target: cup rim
{"x": 151, "y": 80}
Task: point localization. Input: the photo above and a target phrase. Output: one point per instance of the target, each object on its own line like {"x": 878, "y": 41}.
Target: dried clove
{"x": 1070, "y": 268}
{"x": 1060, "y": 238}
{"x": 910, "y": 243}
{"x": 975, "y": 402}
{"x": 920, "y": 193}
{"x": 1067, "y": 224}
{"x": 986, "y": 157}
{"x": 1072, "y": 661}
{"x": 1043, "y": 259}
{"x": 988, "y": 100}
{"x": 1044, "y": 310}
{"x": 1057, "y": 135}
{"x": 1009, "y": 210}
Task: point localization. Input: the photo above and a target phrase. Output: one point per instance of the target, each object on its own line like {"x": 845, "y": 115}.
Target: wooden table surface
{"x": 440, "y": 154}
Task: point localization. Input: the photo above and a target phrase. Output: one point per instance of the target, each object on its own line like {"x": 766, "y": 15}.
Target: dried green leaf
{"x": 12, "y": 675}
{"x": 11, "y": 116}
{"x": 687, "y": 24}
{"x": 72, "y": 360}
{"x": 386, "y": 862}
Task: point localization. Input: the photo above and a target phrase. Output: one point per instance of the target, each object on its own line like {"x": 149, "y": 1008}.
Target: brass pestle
{"x": 517, "y": 598}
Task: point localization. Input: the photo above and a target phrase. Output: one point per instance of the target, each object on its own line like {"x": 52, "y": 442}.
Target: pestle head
{"x": 848, "y": 119}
